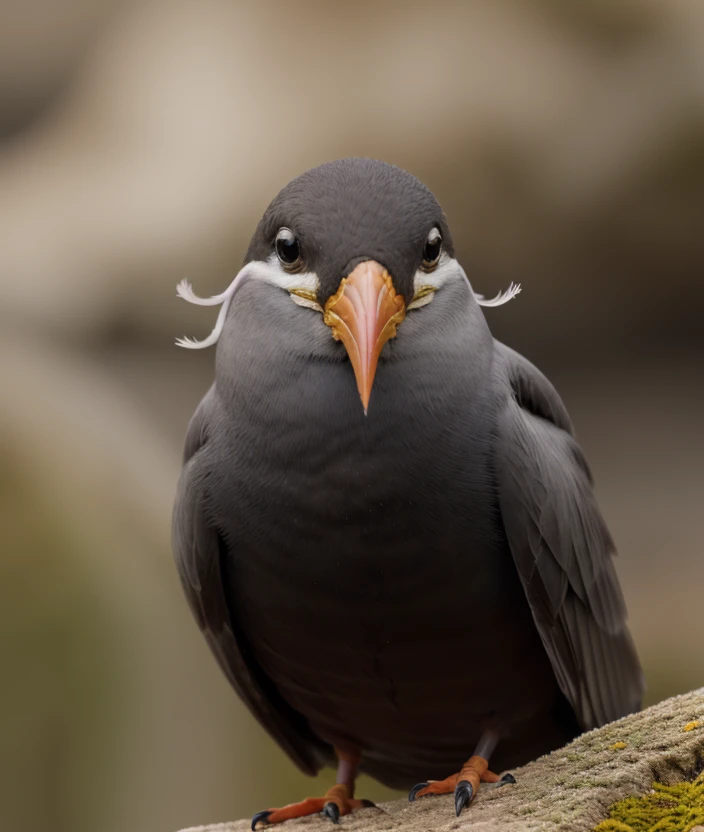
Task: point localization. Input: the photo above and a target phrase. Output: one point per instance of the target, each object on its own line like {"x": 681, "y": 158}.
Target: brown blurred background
{"x": 140, "y": 142}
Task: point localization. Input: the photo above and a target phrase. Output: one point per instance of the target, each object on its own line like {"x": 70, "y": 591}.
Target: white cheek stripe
{"x": 273, "y": 272}
{"x": 270, "y": 271}
{"x": 449, "y": 269}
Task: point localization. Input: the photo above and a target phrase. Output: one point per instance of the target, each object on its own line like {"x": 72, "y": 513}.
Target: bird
{"x": 384, "y": 524}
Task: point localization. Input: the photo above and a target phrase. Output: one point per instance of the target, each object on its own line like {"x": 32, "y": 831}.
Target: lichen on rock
{"x": 677, "y": 808}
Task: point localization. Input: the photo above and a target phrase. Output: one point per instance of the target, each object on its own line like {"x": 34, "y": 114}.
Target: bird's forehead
{"x": 359, "y": 206}
{"x": 354, "y": 208}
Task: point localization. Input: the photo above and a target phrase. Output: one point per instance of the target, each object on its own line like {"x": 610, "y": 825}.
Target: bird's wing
{"x": 563, "y": 550}
{"x": 198, "y": 549}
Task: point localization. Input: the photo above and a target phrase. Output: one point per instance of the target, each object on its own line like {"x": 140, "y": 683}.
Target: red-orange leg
{"x": 465, "y": 784}
{"x": 337, "y": 801}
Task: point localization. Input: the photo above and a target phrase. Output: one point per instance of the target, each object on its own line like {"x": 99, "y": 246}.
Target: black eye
{"x": 432, "y": 250}
{"x": 287, "y": 249}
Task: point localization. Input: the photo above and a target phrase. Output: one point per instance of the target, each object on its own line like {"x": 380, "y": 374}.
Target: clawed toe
{"x": 260, "y": 817}
{"x": 463, "y": 785}
{"x": 337, "y": 802}
{"x": 464, "y": 792}
{"x": 331, "y": 811}
{"x": 414, "y": 791}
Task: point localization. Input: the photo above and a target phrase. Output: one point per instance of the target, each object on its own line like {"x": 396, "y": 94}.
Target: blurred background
{"x": 139, "y": 144}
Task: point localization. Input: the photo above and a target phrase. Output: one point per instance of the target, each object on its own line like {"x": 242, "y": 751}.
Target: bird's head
{"x": 360, "y": 242}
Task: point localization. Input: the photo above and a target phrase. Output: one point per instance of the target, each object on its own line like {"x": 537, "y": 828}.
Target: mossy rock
{"x": 642, "y": 773}
{"x": 678, "y": 808}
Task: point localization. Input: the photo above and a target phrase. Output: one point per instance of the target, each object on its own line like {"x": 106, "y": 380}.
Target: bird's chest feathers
{"x": 323, "y": 483}
{"x": 362, "y": 531}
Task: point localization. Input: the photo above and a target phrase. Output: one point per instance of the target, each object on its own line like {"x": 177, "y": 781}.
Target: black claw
{"x": 331, "y": 811}
{"x": 260, "y": 816}
{"x": 507, "y": 778}
{"x": 464, "y": 792}
{"x": 369, "y": 804}
{"x": 414, "y": 791}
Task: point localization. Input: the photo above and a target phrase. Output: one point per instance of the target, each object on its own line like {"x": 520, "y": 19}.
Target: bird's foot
{"x": 338, "y": 801}
{"x": 464, "y": 784}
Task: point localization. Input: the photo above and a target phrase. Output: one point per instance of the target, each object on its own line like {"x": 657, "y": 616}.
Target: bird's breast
{"x": 317, "y": 496}
{"x": 363, "y": 551}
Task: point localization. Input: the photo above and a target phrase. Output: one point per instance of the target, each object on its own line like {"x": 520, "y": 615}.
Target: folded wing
{"x": 563, "y": 550}
{"x": 199, "y": 552}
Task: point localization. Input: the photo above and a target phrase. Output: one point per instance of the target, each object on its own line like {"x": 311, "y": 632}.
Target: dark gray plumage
{"x": 391, "y": 584}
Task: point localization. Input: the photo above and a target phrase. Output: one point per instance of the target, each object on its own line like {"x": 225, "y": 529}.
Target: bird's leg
{"x": 337, "y": 801}
{"x": 465, "y": 784}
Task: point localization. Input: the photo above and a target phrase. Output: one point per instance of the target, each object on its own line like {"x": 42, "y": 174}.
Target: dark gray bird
{"x": 398, "y": 583}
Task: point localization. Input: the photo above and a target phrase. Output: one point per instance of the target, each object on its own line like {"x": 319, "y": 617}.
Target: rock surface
{"x": 568, "y": 790}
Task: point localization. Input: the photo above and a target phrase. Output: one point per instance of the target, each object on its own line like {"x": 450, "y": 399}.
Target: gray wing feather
{"x": 563, "y": 550}
{"x": 198, "y": 551}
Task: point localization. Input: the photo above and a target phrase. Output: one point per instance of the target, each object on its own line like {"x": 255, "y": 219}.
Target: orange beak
{"x": 364, "y": 314}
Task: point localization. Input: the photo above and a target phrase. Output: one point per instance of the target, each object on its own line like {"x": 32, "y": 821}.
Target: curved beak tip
{"x": 364, "y": 313}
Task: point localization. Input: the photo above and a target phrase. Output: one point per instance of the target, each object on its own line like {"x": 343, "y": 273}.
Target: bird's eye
{"x": 432, "y": 250}
{"x": 287, "y": 249}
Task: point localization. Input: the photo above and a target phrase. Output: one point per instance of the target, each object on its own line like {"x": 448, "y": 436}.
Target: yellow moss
{"x": 690, "y": 726}
{"x": 666, "y": 809}
{"x": 617, "y": 746}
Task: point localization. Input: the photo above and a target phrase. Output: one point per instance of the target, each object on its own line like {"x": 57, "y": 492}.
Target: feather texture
{"x": 563, "y": 550}
{"x": 198, "y": 550}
